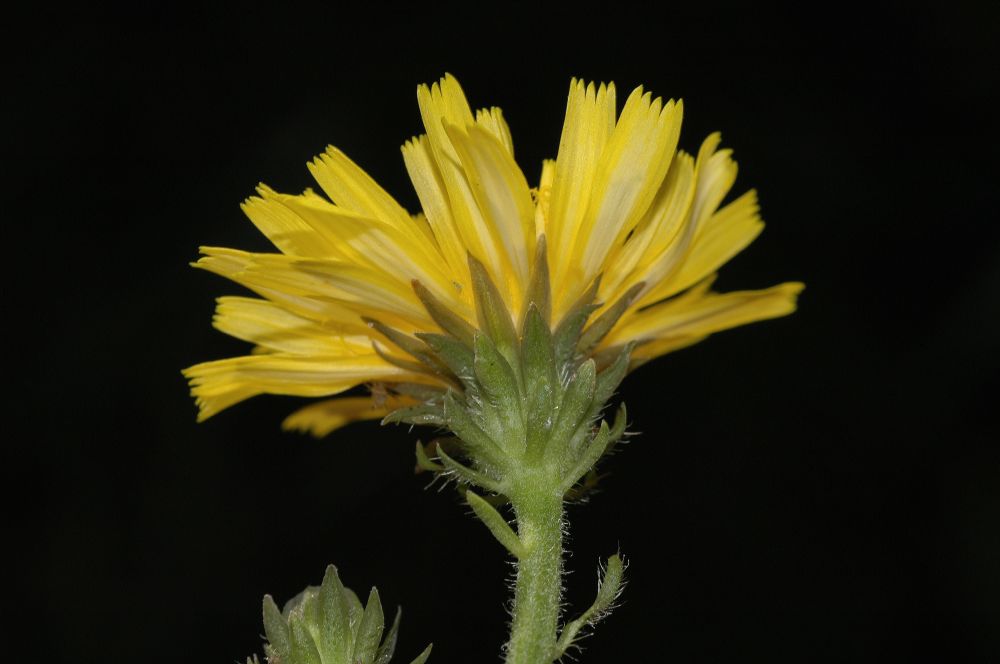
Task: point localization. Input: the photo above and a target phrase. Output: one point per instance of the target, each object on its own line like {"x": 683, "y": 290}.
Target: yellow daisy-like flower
{"x": 620, "y": 204}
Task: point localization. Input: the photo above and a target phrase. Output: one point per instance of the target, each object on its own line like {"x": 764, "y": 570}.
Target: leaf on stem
{"x": 422, "y": 657}
{"x": 608, "y": 589}
{"x": 467, "y": 474}
{"x": 496, "y": 523}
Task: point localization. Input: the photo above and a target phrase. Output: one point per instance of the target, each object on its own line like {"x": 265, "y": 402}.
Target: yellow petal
{"x": 320, "y": 418}
{"x": 697, "y": 314}
{"x": 443, "y": 104}
{"x": 313, "y": 282}
{"x": 543, "y": 196}
{"x": 492, "y": 121}
{"x": 285, "y": 229}
{"x": 658, "y": 230}
{"x": 401, "y": 255}
{"x": 433, "y": 197}
{"x": 220, "y": 384}
{"x": 714, "y": 174}
{"x": 590, "y": 119}
{"x": 350, "y": 187}
{"x": 503, "y": 198}
{"x": 275, "y": 328}
{"x": 632, "y": 168}
{"x": 725, "y": 234}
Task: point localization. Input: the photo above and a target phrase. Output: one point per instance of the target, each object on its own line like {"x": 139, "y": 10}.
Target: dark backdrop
{"x": 824, "y": 487}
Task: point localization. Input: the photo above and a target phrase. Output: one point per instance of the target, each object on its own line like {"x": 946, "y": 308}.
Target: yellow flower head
{"x": 621, "y": 213}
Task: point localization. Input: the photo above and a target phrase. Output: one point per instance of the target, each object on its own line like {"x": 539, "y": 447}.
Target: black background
{"x": 824, "y": 487}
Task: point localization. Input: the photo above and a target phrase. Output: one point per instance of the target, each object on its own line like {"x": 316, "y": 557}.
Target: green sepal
{"x": 427, "y": 413}
{"x": 491, "y": 310}
{"x": 422, "y": 657}
{"x": 608, "y": 590}
{"x": 541, "y": 383}
{"x": 410, "y": 345}
{"x": 605, "y": 357}
{"x": 609, "y": 379}
{"x": 458, "y": 419}
{"x": 455, "y": 354}
{"x": 408, "y": 365}
{"x": 539, "y": 291}
{"x": 496, "y": 523}
{"x": 418, "y": 391}
{"x": 370, "y": 629}
{"x": 621, "y": 421}
{"x": 334, "y": 618}
{"x": 576, "y": 405}
{"x": 566, "y": 337}
{"x": 447, "y": 319}
{"x": 499, "y": 387}
{"x": 388, "y": 647}
{"x": 424, "y": 462}
{"x": 589, "y": 482}
{"x": 304, "y": 648}
{"x": 600, "y": 327}
{"x": 276, "y": 629}
{"x": 600, "y": 443}
{"x": 355, "y": 609}
{"x": 467, "y": 474}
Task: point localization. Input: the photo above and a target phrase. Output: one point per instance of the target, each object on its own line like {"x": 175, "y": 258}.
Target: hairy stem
{"x": 538, "y": 590}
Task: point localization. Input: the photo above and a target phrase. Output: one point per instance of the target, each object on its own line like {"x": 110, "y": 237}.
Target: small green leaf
{"x": 408, "y": 344}
{"x": 541, "y": 384}
{"x": 388, "y": 647}
{"x": 457, "y": 356}
{"x": 422, "y": 657}
{"x": 594, "y": 451}
{"x": 418, "y": 391}
{"x": 496, "y": 523}
{"x": 449, "y": 321}
{"x": 478, "y": 442}
{"x": 621, "y": 421}
{"x": 304, "y": 649}
{"x": 424, "y": 462}
{"x": 354, "y": 610}
{"x": 491, "y": 310}
{"x": 370, "y": 632}
{"x": 605, "y": 357}
{"x": 611, "y": 585}
{"x": 467, "y": 474}
{"x": 499, "y": 386}
{"x": 575, "y": 409}
{"x": 609, "y": 379}
{"x": 422, "y": 414}
{"x": 408, "y": 365}
{"x": 600, "y": 327}
{"x": 334, "y": 618}
{"x": 608, "y": 590}
{"x": 566, "y": 337}
{"x": 276, "y": 629}
{"x": 539, "y": 292}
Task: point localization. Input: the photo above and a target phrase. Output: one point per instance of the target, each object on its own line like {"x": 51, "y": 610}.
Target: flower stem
{"x": 538, "y": 590}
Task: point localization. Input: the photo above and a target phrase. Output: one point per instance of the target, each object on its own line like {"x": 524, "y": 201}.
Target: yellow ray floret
{"x": 353, "y": 268}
